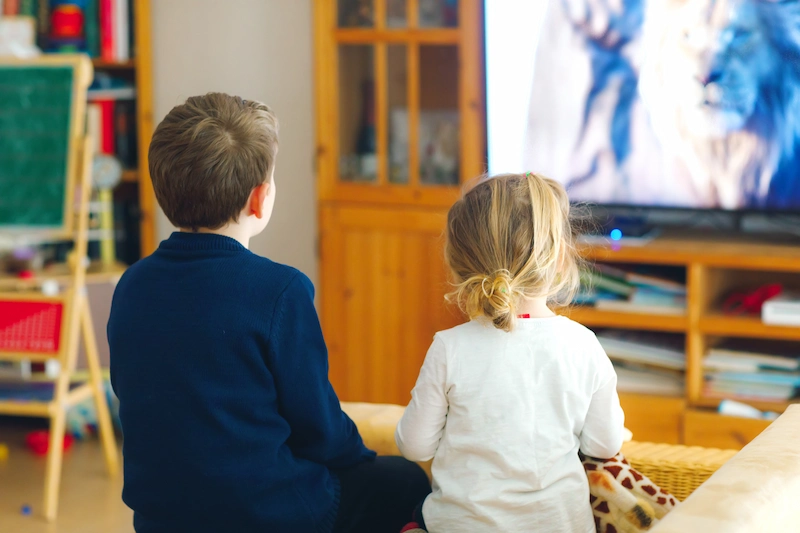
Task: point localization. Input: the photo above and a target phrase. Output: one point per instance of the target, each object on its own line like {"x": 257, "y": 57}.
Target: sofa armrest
{"x": 756, "y": 490}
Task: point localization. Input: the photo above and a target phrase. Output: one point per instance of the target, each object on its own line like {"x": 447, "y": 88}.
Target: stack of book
{"x": 103, "y": 28}
{"x": 752, "y": 370}
{"x": 111, "y": 118}
{"x": 634, "y": 290}
{"x": 650, "y": 363}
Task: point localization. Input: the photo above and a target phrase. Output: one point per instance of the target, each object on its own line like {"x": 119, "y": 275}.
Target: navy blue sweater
{"x": 228, "y": 417}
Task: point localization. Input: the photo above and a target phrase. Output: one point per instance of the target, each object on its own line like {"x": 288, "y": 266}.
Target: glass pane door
{"x": 397, "y": 97}
{"x": 356, "y": 13}
{"x": 358, "y": 150}
{"x": 396, "y": 14}
{"x": 438, "y": 13}
{"x": 438, "y": 134}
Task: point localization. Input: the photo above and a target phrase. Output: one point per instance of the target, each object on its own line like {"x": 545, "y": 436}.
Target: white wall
{"x": 260, "y": 50}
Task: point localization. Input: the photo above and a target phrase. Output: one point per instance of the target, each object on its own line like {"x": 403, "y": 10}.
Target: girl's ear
{"x": 256, "y": 201}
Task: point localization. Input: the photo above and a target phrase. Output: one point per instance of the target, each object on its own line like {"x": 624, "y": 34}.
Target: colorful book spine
{"x": 107, "y": 46}
{"x": 10, "y": 8}
{"x": 125, "y": 121}
{"x": 28, "y": 8}
{"x": 94, "y": 126}
{"x": 43, "y": 20}
{"x": 92, "y": 27}
{"x": 107, "y": 144}
{"x": 121, "y": 30}
{"x": 601, "y": 282}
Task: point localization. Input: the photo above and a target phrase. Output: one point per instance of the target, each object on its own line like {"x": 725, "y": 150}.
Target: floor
{"x": 90, "y": 501}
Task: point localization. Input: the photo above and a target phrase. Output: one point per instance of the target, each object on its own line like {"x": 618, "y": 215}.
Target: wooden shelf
{"x": 589, "y": 316}
{"x": 400, "y": 35}
{"x": 130, "y": 176}
{"x": 745, "y": 326}
{"x": 762, "y": 405}
{"x": 742, "y": 254}
{"x": 117, "y": 65}
{"x": 96, "y": 273}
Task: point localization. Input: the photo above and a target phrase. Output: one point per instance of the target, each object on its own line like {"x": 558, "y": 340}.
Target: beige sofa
{"x": 756, "y": 490}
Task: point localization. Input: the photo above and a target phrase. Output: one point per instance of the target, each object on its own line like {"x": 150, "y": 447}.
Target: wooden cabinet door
{"x": 383, "y": 282}
{"x": 712, "y": 430}
{"x": 653, "y": 418}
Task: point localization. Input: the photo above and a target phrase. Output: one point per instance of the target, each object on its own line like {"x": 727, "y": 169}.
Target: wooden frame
{"x": 144, "y": 112}
{"x": 76, "y": 319}
{"x": 328, "y": 37}
{"x": 81, "y": 79}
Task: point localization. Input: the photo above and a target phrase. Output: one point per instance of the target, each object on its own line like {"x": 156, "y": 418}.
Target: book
{"x": 754, "y": 355}
{"x": 664, "y": 350}
{"x": 107, "y": 144}
{"x": 43, "y": 20}
{"x": 111, "y": 93}
{"x": 92, "y": 27}
{"x": 121, "y": 30}
{"x": 648, "y": 296}
{"x": 767, "y": 377}
{"x": 94, "y": 126}
{"x": 782, "y": 310}
{"x": 125, "y": 133}
{"x": 643, "y": 380}
{"x": 15, "y": 370}
{"x": 11, "y": 8}
{"x": 107, "y": 37}
{"x": 28, "y": 8}
{"x": 597, "y": 280}
{"x": 626, "y": 306}
{"x": 649, "y": 277}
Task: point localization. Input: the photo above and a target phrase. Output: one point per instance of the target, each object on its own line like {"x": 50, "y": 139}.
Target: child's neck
{"x": 535, "y": 308}
{"x": 236, "y": 232}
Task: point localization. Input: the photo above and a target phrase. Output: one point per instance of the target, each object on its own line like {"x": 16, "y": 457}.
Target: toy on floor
{"x": 26, "y": 510}
{"x": 3, "y": 452}
{"x": 623, "y": 500}
{"x": 39, "y": 442}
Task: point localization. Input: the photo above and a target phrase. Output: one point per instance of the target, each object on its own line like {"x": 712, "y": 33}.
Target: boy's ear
{"x": 256, "y": 202}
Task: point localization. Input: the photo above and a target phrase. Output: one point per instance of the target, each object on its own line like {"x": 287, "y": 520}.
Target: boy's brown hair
{"x": 208, "y": 155}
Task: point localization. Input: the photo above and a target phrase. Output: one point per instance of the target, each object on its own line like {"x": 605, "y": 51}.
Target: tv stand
{"x": 715, "y": 267}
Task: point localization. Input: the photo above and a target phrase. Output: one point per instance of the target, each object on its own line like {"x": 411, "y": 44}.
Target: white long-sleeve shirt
{"x": 503, "y": 416}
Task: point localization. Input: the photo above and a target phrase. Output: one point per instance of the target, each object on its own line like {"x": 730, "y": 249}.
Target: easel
{"x": 59, "y": 338}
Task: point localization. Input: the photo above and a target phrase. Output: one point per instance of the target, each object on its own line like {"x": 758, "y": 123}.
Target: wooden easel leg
{"x": 104, "y": 425}
{"x": 55, "y": 453}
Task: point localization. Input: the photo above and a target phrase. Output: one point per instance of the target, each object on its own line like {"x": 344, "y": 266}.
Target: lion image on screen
{"x": 681, "y": 102}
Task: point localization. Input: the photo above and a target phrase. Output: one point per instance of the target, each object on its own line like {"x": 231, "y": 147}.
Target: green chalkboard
{"x": 35, "y": 112}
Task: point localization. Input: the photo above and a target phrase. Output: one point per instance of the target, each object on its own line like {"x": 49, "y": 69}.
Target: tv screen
{"x": 671, "y": 103}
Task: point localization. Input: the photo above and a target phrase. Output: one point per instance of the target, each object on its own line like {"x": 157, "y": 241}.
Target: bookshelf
{"x": 714, "y": 268}
{"x": 135, "y": 190}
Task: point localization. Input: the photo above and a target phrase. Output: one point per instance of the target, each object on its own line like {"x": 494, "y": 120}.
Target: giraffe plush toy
{"x": 623, "y": 500}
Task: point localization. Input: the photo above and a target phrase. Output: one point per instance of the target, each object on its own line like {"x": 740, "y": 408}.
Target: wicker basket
{"x": 677, "y": 469}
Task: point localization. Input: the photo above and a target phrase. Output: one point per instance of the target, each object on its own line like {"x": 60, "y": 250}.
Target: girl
{"x": 504, "y": 402}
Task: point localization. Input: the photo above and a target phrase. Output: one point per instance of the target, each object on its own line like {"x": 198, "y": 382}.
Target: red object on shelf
{"x": 30, "y": 326}
{"x": 39, "y": 442}
{"x": 750, "y": 303}
{"x": 107, "y": 44}
{"x": 107, "y": 134}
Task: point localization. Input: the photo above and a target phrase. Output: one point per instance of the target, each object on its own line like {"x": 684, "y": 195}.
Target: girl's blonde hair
{"x": 510, "y": 237}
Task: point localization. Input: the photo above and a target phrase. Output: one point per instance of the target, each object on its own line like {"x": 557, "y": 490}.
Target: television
{"x": 682, "y": 104}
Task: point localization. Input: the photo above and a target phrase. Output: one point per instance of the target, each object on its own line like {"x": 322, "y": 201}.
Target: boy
{"x": 218, "y": 360}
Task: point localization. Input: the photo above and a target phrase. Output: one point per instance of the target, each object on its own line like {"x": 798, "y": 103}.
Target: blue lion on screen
{"x": 715, "y": 84}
